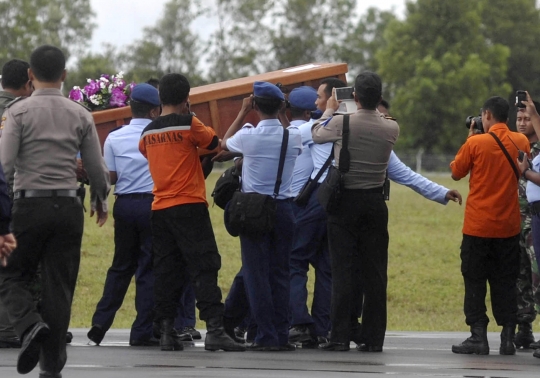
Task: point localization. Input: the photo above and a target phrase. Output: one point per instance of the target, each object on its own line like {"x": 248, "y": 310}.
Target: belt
{"x": 535, "y": 207}
{"x": 135, "y": 195}
{"x": 380, "y": 190}
{"x": 45, "y": 193}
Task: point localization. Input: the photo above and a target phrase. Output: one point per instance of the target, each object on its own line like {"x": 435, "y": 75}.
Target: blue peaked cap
{"x": 303, "y": 98}
{"x": 145, "y": 93}
{"x": 267, "y": 90}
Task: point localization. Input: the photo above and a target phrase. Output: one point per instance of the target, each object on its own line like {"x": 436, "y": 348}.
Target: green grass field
{"x": 425, "y": 287}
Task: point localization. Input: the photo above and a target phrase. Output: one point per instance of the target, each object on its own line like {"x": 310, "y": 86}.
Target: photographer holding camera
{"x": 490, "y": 246}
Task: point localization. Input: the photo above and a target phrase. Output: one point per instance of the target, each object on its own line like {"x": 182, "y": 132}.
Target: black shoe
{"x": 369, "y": 348}
{"x": 143, "y": 343}
{"x": 262, "y": 348}
{"x": 69, "y": 337}
{"x": 536, "y": 353}
{"x": 524, "y": 337}
{"x": 183, "y": 336}
{"x": 31, "y": 345}
{"x": 10, "y": 342}
{"x": 299, "y": 334}
{"x": 314, "y": 343}
{"x": 96, "y": 334}
{"x": 47, "y": 374}
{"x": 476, "y": 344}
{"x": 195, "y": 335}
{"x": 535, "y": 345}
{"x": 335, "y": 347}
{"x": 289, "y": 347}
{"x": 240, "y": 333}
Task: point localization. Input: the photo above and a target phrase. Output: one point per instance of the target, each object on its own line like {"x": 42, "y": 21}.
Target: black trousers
{"x": 49, "y": 233}
{"x": 185, "y": 251}
{"x": 358, "y": 238}
{"x": 495, "y": 261}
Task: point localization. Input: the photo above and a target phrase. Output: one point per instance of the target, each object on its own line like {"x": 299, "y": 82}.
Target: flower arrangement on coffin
{"x": 104, "y": 93}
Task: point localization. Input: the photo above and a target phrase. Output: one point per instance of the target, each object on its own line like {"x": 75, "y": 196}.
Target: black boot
{"x": 168, "y": 340}
{"x": 476, "y": 344}
{"x": 524, "y": 337}
{"x": 217, "y": 339}
{"x": 507, "y": 340}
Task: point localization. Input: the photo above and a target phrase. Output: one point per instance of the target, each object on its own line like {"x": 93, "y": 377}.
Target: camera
{"x": 478, "y": 126}
{"x": 521, "y": 96}
{"x": 344, "y": 93}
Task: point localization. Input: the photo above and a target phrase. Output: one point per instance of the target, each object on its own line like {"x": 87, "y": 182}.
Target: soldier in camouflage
{"x": 528, "y": 284}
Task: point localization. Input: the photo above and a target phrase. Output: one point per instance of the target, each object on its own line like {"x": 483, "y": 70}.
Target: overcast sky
{"x": 122, "y": 23}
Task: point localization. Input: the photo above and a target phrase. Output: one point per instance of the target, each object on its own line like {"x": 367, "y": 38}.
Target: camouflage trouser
{"x": 528, "y": 283}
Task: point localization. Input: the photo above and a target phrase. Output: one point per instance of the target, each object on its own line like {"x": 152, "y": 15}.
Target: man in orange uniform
{"x": 490, "y": 246}
{"x": 183, "y": 241}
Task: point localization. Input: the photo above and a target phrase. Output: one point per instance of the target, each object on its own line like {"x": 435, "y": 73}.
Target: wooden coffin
{"x": 218, "y": 104}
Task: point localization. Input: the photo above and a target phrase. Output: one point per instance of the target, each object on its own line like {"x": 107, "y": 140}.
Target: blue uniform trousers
{"x": 132, "y": 256}
{"x": 265, "y": 260}
{"x": 237, "y": 303}
{"x": 310, "y": 246}
{"x": 186, "y": 309}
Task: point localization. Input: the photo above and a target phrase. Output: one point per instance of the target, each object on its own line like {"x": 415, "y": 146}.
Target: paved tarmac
{"x": 406, "y": 354}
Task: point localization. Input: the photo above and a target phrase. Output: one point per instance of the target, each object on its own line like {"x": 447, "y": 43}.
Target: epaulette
{"x": 17, "y": 99}
{"x": 391, "y": 118}
{"x": 83, "y": 105}
{"x": 116, "y": 129}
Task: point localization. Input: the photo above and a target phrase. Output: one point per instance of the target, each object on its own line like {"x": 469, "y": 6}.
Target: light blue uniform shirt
{"x": 122, "y": 155}
{"x": 304, "y": 163}
{"x": 261, "y": 147}
{"x": 533, "y": 190}
{"x": 319, "y": 154}
{"x": 400, "y": 173}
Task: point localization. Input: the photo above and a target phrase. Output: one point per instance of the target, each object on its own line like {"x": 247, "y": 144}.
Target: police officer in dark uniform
{"x": 15, "y": 84}
{"x": 129, "y": 172}
{"x": 358, "y": 228}
{"x": 40, "y": 141}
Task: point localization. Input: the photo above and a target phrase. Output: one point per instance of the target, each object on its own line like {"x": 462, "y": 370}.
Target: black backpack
{"x": 226, "y": 185}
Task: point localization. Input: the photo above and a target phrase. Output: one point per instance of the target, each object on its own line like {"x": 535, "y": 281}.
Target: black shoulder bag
{"x": 331, "y": 189}
{"x": 255, "y": 213}
{"x": 512, "y": 164}
{"x": 226, "y": 185}
{"x": 305, "y": 193}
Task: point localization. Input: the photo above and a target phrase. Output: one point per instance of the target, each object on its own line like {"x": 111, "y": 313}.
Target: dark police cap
{"x": 267, "y": 90}
{"x": 368, "y": 84}
{"x": 145, "y": 93}
{"x": 303, "y": 98}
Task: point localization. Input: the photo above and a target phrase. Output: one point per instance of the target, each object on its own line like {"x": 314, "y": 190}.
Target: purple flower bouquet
{"x": 104, "y": 93}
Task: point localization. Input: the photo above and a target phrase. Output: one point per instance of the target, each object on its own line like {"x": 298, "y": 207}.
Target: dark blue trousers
{"x": 132, "y": 256}
{"x": 310, "y": 246}
{"x": 265, "y": 260}
{"x": 186, "y": 309}
{"x": 237, "y": 303}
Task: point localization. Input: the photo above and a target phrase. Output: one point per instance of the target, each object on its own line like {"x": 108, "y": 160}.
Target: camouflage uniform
{"x": 528, "y": 284}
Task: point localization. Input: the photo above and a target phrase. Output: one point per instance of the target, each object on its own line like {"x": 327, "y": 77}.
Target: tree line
{"x": 439, "y": 61}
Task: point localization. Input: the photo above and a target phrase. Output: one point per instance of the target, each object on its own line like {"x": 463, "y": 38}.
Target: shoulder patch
{"x": 15, "y": 101}
{"x": 81, "y": 104}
